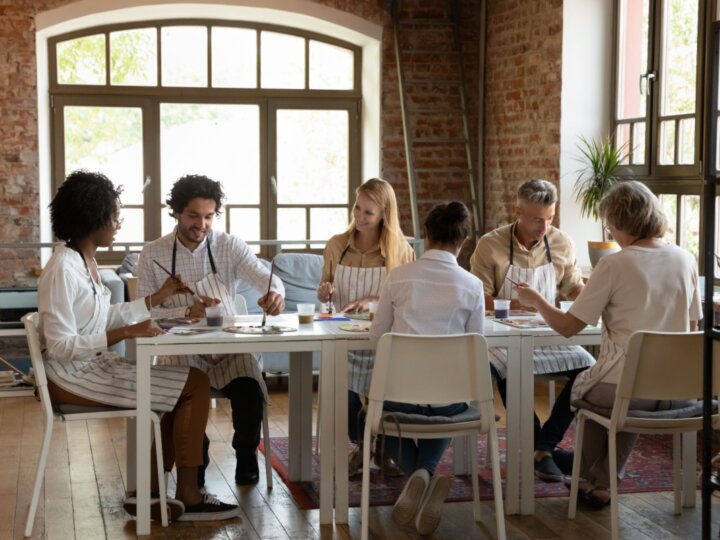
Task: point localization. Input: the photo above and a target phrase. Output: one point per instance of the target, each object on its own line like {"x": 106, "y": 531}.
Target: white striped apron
{"x": 611, "y": 354}
{"x": 221, "y": 368}
{"x": 352, "y": 283}
{"x": 109, "y": 378}
{"x": 544, "y": 280}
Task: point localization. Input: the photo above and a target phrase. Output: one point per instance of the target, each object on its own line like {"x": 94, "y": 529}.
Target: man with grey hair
{"x": 530, "y": 250}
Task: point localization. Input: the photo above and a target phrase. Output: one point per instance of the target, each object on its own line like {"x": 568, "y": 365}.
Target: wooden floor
{"x": 85, "y": 478}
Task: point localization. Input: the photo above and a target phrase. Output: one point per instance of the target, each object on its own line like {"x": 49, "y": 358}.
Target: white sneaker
{"x": 430, "y": 513}
{"x": 408, "y": 502}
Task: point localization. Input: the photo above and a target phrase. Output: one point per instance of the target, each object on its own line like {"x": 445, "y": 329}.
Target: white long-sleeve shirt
{"x": 431, "y": 296}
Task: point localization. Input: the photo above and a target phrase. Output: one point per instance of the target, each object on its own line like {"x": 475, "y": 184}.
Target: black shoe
{"x": 564, "y": 460}
{"x": 247, "y": 472}
{"x": 206, "y": 461}
{"x": 547, "y": 470}
{"x": 209, "y": 509}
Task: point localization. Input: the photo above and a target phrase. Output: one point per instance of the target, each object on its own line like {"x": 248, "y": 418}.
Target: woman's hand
{"x": 528, "y": 296}
{"x": 361, "y": 304}
{"x": 146, "y": 328}
{"x": 272, "y": 303}
{"x": 324, "y": 290}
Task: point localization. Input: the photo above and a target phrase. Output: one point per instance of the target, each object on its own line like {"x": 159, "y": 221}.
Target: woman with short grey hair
{"x": 630, "y": 291}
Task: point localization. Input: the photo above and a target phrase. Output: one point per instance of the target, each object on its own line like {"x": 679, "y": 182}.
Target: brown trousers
{"x": 182, "y": 428}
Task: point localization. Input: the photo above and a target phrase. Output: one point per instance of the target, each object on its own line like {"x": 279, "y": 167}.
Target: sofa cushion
{"x": 299, "y": 272}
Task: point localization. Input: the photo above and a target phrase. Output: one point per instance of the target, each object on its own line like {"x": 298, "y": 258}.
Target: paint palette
{"x": 259, "y": 330}
{"x": 355, "y": 327}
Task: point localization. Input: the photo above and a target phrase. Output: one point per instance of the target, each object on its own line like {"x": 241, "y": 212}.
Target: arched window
{"x": 271, "y": 112}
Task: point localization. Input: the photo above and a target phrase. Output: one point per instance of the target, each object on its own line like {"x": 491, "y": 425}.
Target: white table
{"x": 308, "y": 338}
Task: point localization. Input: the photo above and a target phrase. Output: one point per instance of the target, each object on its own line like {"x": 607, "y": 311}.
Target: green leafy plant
{"x": 600, "y": 159}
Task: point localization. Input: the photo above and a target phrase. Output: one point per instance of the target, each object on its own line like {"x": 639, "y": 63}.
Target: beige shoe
{"x": 408, "y": 502}
{"x": 430, "y": 513}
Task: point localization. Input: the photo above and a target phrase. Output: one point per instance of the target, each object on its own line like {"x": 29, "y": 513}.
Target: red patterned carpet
{"x": 649, "y": 469}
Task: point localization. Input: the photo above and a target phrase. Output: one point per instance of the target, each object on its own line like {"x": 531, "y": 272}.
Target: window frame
{"x": 149, "y": 98}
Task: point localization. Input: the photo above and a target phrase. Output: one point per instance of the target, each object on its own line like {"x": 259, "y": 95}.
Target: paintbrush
{"x": 330, "y": 294}
{"x": 511, "y": 281}
{"x": 272, "y": 270}
{"x": 188, "y": 289}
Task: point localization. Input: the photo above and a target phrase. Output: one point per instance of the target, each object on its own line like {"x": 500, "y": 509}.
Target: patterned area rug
{"x": 649, "y": 469}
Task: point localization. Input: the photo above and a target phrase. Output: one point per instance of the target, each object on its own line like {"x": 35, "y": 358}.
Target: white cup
{"x": 372, "y": 309}
{"x": 565, "y": 305}
{"x": 306, "y": 313}
{"x": 502, "y": 308}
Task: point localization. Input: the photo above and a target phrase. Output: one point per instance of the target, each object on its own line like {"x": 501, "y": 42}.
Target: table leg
{"x": 341, "y": 432}
{"x": 142, "y": 443}
{"x": 527, "y": 428}
{"x": 327, "y": 431}
{"x": 513, "y": 412}
{"x": 300, "y": 417}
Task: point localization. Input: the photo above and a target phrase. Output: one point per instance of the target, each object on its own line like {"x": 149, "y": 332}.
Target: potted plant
{"x": 600, "y": 159}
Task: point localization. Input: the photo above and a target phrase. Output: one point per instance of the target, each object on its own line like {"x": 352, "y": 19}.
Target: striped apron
{"x": 109, "y": 378}
{"x": 221, "y": 368}
{"x": 352, "y": 283}
{"x": 610, "y": 355}
{"x": 544, "y": 280}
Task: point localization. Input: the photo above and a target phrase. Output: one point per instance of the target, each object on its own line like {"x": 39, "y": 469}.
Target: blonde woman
{"x": 356, "y": 263}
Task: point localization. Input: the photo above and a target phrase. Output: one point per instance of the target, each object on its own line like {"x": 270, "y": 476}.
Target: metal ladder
{"x": 436, "y": 120}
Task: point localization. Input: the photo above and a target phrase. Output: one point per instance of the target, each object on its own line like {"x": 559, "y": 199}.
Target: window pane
{"x": 331, "y": 67}
{"x": 667, "y": 143}
{"x": 132, "y": 229}
{"x": 638, "y": 150}
{"x": 245, "y": 223}
{"x": 291, "y": 226}
{"x": 219, "y": 141}
{"x": 312, "y": 157}
{"x": 109, "y": 140}
{"x": 669, "y": 206}
{"x": 82, "y": 60}
{"x": 679, "y": 57}
{"x": 184, "y": 56}
{"x": 690, "y": 226}
{"x": 234, "y": 57}
{"x": 686, "y": 150}
{"x": 622, "y": 138}
{"x": 324, "y": 222}
{"x": 632, "y": 57}
{"x": 282, "y": 63}
{"x": 133, "y": 57}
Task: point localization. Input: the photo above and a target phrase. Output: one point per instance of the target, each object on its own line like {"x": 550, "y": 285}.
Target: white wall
{"x": 585, "y": 109}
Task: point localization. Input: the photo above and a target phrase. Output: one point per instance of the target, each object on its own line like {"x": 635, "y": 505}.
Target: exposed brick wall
{"x": 18, "y": 107}
{"x": 522, "y": 100}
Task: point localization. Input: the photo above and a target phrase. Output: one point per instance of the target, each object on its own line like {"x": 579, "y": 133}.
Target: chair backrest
{"x": 431, "y": 370}
{"x": 240, "y": 305}
{"x": 31, "y": 322}
{"x": 665, "y": 366}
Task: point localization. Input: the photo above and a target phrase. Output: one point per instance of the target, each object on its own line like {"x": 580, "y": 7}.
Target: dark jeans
{"x": 246, "y": 400}
{"x": 356, "y": 418}
{"x": 549, "y": 435}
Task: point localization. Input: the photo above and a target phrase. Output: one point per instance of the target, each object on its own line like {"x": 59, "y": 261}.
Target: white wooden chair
{"x": 434, "y": 369}
{"x": 658, "y": 366}
{"x": 75, "y": 412}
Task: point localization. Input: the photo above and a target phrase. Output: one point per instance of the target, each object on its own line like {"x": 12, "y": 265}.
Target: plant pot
{"x": 597, "y": 250}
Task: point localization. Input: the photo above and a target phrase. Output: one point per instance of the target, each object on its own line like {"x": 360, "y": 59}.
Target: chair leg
{"x": 39, "y": 474}
{"x": 575, "y": 478}
{"x": 614, "y": 508}
{"x": 162, "y": 488}
{"x": 317, "y": 421}
{"x": 677, "y": 475}
{"x": 474, "y": 472}
{"x": 493, "y": 449}
{"x": 268, "y": 451}
{"x": 365, "y": 496}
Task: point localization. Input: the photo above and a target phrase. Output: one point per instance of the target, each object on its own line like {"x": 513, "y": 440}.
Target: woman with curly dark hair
{"x": 78, "y": 324}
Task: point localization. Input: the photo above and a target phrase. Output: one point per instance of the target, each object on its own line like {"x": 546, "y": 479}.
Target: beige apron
{"x": 544, "y": 280}
{"x": 610, "y": 355}
{"x": 221, "y": 368}
{"x": 352, "y": 283}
